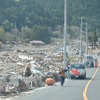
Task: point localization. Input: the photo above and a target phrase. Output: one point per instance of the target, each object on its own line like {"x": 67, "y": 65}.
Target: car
{"x": 89, "y": 62}
{"x": 77, "y": 71}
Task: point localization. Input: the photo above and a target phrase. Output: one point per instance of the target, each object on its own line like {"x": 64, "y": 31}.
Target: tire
{"x": 71, "y": 78}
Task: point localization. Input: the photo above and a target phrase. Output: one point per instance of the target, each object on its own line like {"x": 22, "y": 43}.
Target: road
{"x": 77, "y": 89}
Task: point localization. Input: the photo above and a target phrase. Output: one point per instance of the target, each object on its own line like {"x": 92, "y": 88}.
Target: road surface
{"x": 77, "y": 89}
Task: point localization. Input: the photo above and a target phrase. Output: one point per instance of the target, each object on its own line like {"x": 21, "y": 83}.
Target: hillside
{"x": 35, "y": 16}
{"x": 48, "y": 12}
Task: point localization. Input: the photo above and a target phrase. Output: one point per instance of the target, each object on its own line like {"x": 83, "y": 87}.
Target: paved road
{"x": 94, "y": 88}
{"x": 72, "y": 90}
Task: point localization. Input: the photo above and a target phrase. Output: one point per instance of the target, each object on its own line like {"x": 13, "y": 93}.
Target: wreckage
{"x": 27, "y": 68}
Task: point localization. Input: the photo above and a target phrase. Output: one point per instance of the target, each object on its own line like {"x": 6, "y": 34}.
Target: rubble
{"x": 43, "y": 61}
{"x": 20, "y": 57}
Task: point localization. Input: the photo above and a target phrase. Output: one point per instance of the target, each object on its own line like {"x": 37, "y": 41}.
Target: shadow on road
{"x": 88, "y": 78}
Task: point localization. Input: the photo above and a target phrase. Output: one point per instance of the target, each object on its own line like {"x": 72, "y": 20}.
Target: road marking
{"x": 9, "y": 99}
{"x": 87, "y": 85}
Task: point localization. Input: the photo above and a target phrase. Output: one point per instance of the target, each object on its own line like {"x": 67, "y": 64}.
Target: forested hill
{"x": 89, "y": 9}
{"x": 48, "y": 13}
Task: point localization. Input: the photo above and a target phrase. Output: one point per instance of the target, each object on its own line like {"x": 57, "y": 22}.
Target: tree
{"x": 3, "y": 35}
{"x": 40, "y": 33}
{"x": 7, "y": 25}
{"x": 94, "y": 39}
{"x": 25, "y": 33}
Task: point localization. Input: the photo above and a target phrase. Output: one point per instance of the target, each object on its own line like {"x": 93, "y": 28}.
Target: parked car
{"x": 89, "y": 64}
{"x": 77, "y": 71}
{"x": 89, "y": 61}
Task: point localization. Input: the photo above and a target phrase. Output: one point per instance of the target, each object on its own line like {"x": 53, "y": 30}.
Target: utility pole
{"x": 81, "y": 40}
{"x": 15, "y": 28}
{"x": 15, "y": 31}
{"x": 22, "y": 29}
{"x": 86, "y": 39}
{"x": 65, "y": 33}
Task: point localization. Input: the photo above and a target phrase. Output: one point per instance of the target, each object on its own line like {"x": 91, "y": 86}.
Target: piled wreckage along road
{"x": 26, "y": 66}
{"x": 15, "y": 59}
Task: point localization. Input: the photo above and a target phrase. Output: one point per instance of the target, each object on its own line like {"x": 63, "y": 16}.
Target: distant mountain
{"x": 48, "y": 13}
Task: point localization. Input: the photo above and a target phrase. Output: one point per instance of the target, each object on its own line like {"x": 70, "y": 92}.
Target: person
{"x": 95, "y": 63}
{"x": 62, "y": 76}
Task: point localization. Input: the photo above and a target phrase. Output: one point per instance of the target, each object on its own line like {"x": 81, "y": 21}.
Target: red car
{"x": 77, "y": 71}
